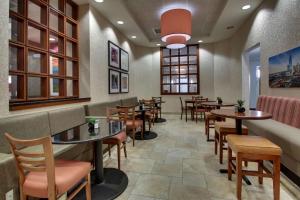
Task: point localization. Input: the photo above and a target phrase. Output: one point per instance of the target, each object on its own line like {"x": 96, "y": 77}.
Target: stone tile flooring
{"x": 180, "y": 165}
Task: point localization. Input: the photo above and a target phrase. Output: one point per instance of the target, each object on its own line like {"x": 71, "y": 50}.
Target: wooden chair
{"x": 133, "y": 123}
{"x": 199, "y": 109}
{"x": 40, "y": 176}
{"x": 222, "y": 129}
{"x": 117, "y": 114}
{"x": 183, "y": 109}
{"x": 152, "y": 113}
{"x": 210, "y": 120}
{"x": 158, "y": 107}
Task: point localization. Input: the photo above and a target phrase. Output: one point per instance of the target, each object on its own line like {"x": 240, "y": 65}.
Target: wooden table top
{"x": 214, "y": 104}
{"x": 248, "y": 114}
{"x": 194, "y": 100}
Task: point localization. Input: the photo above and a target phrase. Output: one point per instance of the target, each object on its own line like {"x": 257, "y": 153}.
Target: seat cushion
{"x": 285, "y": 136}
{"x": 67, "y": 175}
{"x": 252, "y": 145}
{"x": 228, "y": 127}
{"x": 137, "y": 123}
{"x": 120, "y": 137}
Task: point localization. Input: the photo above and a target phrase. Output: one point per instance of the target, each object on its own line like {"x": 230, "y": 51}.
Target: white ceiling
{"x": 210, "y": 18}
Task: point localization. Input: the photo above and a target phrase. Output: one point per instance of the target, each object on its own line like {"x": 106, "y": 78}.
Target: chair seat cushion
{"x": 67, "y": 175}
{"x": 252, "y": 145}
{"x": 228, "y": 127}
{"x": 137, "y": 123}
{"x": 120, "y": 137}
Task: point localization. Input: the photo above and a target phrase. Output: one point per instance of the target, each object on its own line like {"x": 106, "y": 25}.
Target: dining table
{"x": 192, "y": 102}
{"x": 215, "y": 104}
{"x": 148, "y": 135}
{"x": 239, "y": 117}
{"x": 107, "y": 183}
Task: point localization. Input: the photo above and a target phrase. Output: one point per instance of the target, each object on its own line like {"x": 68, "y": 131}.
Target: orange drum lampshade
{"x": 176, "y": 27}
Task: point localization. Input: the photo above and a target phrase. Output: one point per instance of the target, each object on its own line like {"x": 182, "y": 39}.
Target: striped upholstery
{"x": 283, "y": 109}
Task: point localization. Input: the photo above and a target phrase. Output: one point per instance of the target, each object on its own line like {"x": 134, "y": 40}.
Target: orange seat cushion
{"x": 137, "y": 123}
{"x": 120, "y": 137}
{"x": 67, "y": 175}
{"x": 228, "y": 127}
{"x": 252, "y": 145}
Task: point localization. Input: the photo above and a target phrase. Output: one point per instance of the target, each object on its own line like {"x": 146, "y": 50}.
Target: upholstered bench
{"x": 282, "y": 129}
{"x": 253, "y": 149}
{"x": 222, "y": 129}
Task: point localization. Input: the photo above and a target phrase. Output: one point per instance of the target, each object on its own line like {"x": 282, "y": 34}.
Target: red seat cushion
{"x": 121, "y": 136}
{"x": 67, "y": 175}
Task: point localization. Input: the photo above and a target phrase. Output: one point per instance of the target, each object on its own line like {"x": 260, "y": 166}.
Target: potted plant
{"x": 219, "y": 99}
{"x": 240, "y": 106}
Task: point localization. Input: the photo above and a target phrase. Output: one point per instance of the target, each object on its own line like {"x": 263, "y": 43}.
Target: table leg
{"x": 144, "y": 118}
{"x": 148, "y": 135}
{"x": 107, "y": 183}
{"x": 185, "y": 111}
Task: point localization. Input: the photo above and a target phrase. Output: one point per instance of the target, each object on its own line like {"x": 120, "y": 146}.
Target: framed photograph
{"x": 124, "y": 82}
{"x": 284, "y": 69}
{"x": 124, "y": 57}
{"x": 113, "y": 55}
{"x": 114, "y": 81}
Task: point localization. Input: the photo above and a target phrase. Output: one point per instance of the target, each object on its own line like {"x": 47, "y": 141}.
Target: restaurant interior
{"x": 150, "y": 99}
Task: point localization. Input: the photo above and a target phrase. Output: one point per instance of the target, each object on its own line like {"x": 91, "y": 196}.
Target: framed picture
{"x": 124, "y": 82}
{"x": 284, "y": 69}
{"x": 113, "y": 55}
{"x": 114, "y": 81}
{"x": 124, "y": 57}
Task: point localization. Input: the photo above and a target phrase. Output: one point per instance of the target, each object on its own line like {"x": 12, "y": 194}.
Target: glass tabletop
{"x": 83, "y": 133}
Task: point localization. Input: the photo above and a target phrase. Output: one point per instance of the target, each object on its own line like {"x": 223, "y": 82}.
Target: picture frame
{"x": 113, "y": 81}
{"x": 124, "y": 80}
{"x": 124, "y": 60}
{"x": 113, "y": 55}
{"x": 284, "y": 69}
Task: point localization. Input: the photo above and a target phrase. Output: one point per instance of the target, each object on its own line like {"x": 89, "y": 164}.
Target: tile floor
{"x": 180, "y": 165}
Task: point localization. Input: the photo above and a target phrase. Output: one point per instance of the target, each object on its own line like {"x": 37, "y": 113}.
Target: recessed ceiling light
{"x": 246, "y": 7}
{"x": 52, "y": 39}
{"x": 99, "y": 1}
{"x": 157, "y": 44}
{"x": 120, "y": 22}
{"x": 200, "y": 41}
{"x": 133, "y": 37}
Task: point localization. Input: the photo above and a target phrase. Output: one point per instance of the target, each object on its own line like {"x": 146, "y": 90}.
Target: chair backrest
{"x": 157, "y": 99}
{"x": 28, "y": 160}
{"x": 117, "y": 114}
{"x": 181, "y": 103}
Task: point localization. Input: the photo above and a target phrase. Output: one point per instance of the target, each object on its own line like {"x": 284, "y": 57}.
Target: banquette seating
{"x": 39, "y": 124}
{"x": 283, "y": 129}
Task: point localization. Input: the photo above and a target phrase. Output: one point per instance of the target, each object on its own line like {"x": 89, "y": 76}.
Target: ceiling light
{"x": 157, "y": 44}
{"x": 200, "y": 41}
{"x": 133, "y": 37}
{"x": 176, "y": 27}
{"x": 52, "y": 39}
{"x": 99, "y": 1}
{"x": 246, "y": 7}
{"x": 120, "y": 22}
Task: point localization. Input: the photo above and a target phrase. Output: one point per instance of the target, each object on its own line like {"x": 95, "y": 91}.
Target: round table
{"x": 217, "y": 105}
{"x": 159, "y": 119}
{"x": 247, "y": 115}
{"x": 148, "y": 135}
{"x": 107, "y": 183}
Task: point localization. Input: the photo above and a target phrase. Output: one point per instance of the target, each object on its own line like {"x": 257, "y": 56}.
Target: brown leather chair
{"x": 117, "y": 114}
{"x": 158, "y": 102}
{"x": 152, "y": 113}
{"x": 41, "y": 176}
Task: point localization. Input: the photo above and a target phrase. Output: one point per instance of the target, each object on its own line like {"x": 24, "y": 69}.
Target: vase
{"x": 241, "y": 109}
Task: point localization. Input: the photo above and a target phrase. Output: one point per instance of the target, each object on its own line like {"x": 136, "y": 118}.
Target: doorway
{"x": 253, "y": 58}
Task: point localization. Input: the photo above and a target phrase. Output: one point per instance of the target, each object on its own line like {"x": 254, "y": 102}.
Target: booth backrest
{"x": 283, "y": 109}
{"x": 99, "y": 109}
{"x": 27, "y": 126}
{"x": 130, "y": 101}
{"x": 63, "y": 119}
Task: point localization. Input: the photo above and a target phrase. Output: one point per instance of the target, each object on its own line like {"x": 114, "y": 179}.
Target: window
{"x": 43, "y": 45}
{"x": 180, "y": 70}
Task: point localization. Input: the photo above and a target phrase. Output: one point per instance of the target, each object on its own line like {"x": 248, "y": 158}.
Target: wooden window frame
{"x": 25, "y": 46}
{"x": 179, "y": 65}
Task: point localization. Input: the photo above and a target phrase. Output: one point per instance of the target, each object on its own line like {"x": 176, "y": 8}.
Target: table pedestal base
{"x": 225, "y": 171}
{"x": 160, "y": 120}
{"x": 148, "y": 135}
{"x": 114, "y": 183}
